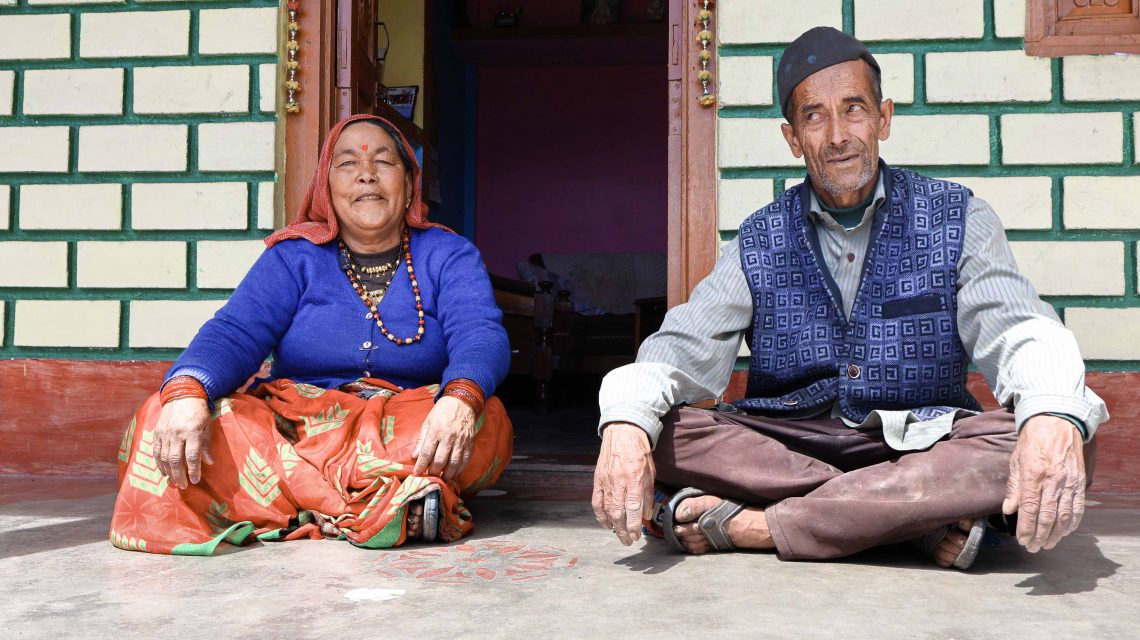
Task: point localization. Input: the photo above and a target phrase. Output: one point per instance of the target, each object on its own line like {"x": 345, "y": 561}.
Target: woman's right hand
{"x": 182, "y": 440}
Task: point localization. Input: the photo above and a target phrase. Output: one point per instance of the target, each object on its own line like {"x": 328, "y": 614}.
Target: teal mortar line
{"x": 135, "y": 7}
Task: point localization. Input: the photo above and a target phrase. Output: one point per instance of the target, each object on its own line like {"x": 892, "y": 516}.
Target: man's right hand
{"x": 623, "y": 481}
{"x": 182, "y": 440}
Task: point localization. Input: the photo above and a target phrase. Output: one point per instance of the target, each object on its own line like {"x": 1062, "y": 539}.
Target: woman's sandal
{"x": 710, "y": 524}
{"x": 969, "y": 553}
{"x": 431, "y": 517}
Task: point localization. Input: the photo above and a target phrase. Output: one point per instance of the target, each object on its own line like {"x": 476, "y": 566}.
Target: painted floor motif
{"x": 478, "y": 562}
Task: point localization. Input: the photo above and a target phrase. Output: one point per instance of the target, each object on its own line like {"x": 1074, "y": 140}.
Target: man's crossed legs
{"x": 817, "y": 489}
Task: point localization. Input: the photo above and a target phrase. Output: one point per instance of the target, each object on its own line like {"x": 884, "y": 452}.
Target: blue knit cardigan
{"x": 296, "y": 304}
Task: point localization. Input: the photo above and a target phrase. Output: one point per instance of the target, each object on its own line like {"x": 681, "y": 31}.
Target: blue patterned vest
{"x": 900, "y": 348}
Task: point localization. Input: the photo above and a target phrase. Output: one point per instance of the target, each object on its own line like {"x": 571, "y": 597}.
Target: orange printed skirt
{"x": 291, "y": 449}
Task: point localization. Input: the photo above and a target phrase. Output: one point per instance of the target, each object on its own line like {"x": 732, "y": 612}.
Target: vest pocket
{"x": 928, "y": 303}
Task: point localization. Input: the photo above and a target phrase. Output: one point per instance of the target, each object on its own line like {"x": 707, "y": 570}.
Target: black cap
{"x": 815, "y": 50}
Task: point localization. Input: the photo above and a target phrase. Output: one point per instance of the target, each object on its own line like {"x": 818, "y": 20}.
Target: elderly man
{"x": 863, "y": 293}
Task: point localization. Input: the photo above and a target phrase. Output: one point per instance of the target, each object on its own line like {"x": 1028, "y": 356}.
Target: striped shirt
{"x": 1030, "y": 360}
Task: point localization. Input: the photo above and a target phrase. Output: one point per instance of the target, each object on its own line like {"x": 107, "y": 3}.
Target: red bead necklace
{"x": 350, "y": 271}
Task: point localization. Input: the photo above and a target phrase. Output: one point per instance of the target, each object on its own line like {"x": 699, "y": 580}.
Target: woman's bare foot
{"x": 951, "y": 546}
{"x": 747, "y": 529}
{"x": 415, "y": 520}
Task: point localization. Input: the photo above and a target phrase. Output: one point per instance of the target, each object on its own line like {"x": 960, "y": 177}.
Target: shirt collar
{"x": 818, "y": 215}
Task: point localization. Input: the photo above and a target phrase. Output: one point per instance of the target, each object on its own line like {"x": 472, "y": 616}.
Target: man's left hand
{"x": 1046, "y": 482}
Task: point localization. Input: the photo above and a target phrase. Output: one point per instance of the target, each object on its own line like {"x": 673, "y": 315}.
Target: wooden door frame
{"x": 692, "y": 172}
{"x": 692, "y": 158}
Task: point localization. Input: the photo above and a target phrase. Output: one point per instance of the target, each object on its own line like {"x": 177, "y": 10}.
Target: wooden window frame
{"x": 1056, "y": 28}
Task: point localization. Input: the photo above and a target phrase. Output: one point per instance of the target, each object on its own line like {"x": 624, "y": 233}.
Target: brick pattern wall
{"x": 1053, "y": 145}
{"x": 138, "y": 168}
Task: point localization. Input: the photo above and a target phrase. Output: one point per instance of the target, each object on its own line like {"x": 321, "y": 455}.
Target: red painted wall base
{"x": 66, "y": 417}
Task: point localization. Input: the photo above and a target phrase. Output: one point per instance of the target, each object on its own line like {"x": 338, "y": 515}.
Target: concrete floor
{"x": 544, "y": 569}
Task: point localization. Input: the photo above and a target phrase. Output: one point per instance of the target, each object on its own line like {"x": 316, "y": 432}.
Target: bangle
{"x": 180, "y": 387}
{"x": 466, "y": 391}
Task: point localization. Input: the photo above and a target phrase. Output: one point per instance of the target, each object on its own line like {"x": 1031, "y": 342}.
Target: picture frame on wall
{"x": 402, "y": 99}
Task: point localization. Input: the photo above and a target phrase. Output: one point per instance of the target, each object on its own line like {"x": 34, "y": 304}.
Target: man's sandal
{"x": 710, "y": 524}
{"x": 974, "y": 537}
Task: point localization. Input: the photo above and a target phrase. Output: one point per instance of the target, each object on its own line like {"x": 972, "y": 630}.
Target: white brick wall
{"x": 55, "y": 323}
{"x": 5, "y": 207}
{"x": 1021, "y": 203}
{"x": 71, "y": 206}
{"x": 168, "y": 323}
{"x": 239, "y": 146}
{"x": 222, "y": 264}
{"x": 267, "y": 86}
{"x": 753, "y": 142}
{"x": 266, "y": 205}
{"x": 1062, "y": 138}
{"x": 1105, "y": 334}
{"x": 911, "y": 20}
{"x": 1009, "y": 18}
{"x": 1102, "y": 202}
{"x": 192, "y": 89}
{"x": 897, "y": 76}
{"x": 758, "y": 21}
{"x": 35, "y": 37}
{"x": 1102, "y": 77}
{"x": 73, "y": 91}
{"x": 215, "y": 205}
{"x": 1072, "y": 268}
{"x": 133, "y": 147}
{"x": 938, "y": 140}
{"x": 34, "y": 149}
{"x": 136, "y": 264}
{"x": 33, "y": 264}
{"x": 738, "y": 199}
{"x": 7, "y": 92}
{"x": 988, "y": 76}
{"x": 237, "y": 31}
{"x": 134, "y": 34}
{"x": 745, "y": 80}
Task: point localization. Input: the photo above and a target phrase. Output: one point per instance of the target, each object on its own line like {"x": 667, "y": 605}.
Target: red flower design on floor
{"x": 477, "y": 562}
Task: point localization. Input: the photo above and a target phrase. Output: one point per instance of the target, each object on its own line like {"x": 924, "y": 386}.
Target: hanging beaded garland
{"x": 406, "y": 249}
{"x": 707, "y": 98}
{"x": 292, "y": 66}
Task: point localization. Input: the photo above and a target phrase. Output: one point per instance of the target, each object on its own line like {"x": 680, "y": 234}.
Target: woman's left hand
{"x": 446, "y": 439}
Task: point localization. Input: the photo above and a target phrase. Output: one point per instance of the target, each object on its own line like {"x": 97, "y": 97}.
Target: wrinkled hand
{"x": 623, "y": 481}
{"x": 446, "y": 439}
{"x": 1046, "y": 482}
{"x": 182, "y": 440}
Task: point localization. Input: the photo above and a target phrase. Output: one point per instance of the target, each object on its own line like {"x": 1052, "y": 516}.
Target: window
{"x": 1056, "y": 28}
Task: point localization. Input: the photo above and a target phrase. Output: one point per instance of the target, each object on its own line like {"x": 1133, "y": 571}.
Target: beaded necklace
{"x": 346, "y": 263}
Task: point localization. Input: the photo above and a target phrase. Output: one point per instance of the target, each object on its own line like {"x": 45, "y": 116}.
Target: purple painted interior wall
{"x": 571, "y": 159}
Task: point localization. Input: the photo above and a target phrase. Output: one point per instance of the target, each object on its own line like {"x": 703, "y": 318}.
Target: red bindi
{"x": 364, "y": 147}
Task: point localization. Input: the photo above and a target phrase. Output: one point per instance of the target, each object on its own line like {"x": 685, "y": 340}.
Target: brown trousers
{"x": 831, "y": 491}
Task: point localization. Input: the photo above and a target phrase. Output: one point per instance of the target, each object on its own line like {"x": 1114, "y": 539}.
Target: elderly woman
{"x": 377, "y": 412}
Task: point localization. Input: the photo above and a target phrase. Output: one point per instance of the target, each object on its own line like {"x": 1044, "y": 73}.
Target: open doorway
{"x": 551, "y": 132}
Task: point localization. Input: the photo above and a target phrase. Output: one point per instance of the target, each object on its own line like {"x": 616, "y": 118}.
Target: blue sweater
{"x": 296, "y": 304}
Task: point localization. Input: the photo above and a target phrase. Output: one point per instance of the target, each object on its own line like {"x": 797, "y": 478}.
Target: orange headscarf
{"x": 316, "y": 221}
